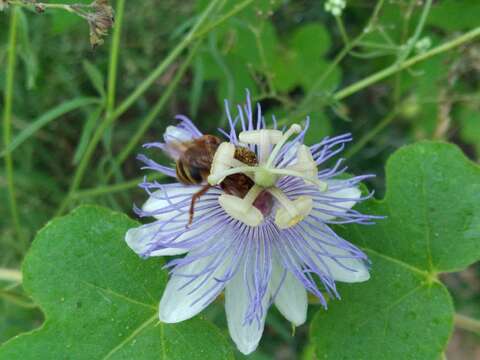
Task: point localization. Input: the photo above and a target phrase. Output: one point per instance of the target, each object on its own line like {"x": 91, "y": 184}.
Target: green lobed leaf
{"x": 303, "y": 63}
{"x": 311, "y": 40}
{"x": 432, "y": 207}
{"x": 100, "y": 300}
{"x": 455, "y": 15}
{"x": 432, "y": 225}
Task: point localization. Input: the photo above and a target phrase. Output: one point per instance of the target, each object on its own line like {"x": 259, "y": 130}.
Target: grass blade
{"x": 45, "y": 119}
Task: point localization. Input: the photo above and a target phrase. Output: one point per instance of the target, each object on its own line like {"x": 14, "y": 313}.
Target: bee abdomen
{"x": 188, "y": 175}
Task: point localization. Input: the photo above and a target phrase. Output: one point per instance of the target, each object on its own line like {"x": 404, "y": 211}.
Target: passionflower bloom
{"x": 270, "y": 246}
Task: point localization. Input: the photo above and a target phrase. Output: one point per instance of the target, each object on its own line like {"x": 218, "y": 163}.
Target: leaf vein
{"x": 134, "y": 333}
{"x": 121, "y": 296}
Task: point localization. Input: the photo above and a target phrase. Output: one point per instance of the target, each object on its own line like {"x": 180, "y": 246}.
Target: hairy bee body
{"x": 194, "y": 164}
{"x": 239, "y": 184}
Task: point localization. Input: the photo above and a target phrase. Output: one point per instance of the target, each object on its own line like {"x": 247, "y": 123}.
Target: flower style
{"x": 267, "y": 247}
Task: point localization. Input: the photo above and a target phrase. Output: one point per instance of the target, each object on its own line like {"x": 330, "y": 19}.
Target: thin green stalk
{"x": 340, "y": 56}
{"x": 343, "y": 31}
{"x": 374, "y": 78}
{"x": 467, "y": 323}
{"x": 113, "y": 63}
{"x": 112, "y": 75}
{"x": 17, "y": 300}
{"x": 236, "y": 9}
{"x": 358, "y": 145}
{"x": 109, "y": 189}
{"x": 65, "y": 7}
{"x": 7, "y": 119}
{"x": 125, "y": 105}
{"x": 418, "y": 31}
{"x": 263, "y": 58}
{"x": 405, "y": 28}
{"x": 156, "y": 109}
{"x": 378, "y": 46}
{"x": 10, "y": 275}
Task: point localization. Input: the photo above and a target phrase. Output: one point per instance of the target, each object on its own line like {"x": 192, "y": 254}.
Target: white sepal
{"x": 176, "y": 134}
{"x": 291, "y": 299}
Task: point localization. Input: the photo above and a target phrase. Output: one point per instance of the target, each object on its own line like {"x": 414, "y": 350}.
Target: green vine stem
{"x": 418, "y": 31}
{"x": 66, "y": 7}
{"x": 382, "y": 74}
{"x": 467, "y": 323}
{"x": 17, "y": 300}
{"x": 347, "y": 48}
{"x": 10, "y": 275}
{"x": 342, "y": 30}
{"x": 235, "y": 10}
{"x": 7, "y": 118}
{"x": 358, "y": 145}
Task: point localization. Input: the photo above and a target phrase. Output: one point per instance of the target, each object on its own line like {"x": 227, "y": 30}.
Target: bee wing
{"x": 175, "y": 149}
{"x": 199, "y": 157}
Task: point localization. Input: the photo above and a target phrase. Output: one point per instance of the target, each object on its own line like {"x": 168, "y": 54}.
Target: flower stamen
{"x": 243, "y": 209}
{"x": 291, "y": 212}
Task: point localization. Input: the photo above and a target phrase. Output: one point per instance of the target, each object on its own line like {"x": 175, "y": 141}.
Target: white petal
{"x": 140, "y": 238}
{"x": 352, "y": 271}
{"x": 176, "y": 133}
{"x": 246, "y": 336}
{"x": 343, "y": 193}
{"x": 179, "y": 304}
{"x": 291, "y": 300}
{"x": 171, "y": 195}
{"x": 344, "y": 268}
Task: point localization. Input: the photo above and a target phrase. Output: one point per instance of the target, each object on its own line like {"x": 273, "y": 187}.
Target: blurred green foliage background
{"x": 293, "y": 56}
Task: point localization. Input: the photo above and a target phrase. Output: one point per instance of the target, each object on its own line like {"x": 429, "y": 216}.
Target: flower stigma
{"x": 265, "y": 176}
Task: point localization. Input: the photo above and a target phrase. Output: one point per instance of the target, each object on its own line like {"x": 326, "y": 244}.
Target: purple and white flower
{"x": 267, "y": 248}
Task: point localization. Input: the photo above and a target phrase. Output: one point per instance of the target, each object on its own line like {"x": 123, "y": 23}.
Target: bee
{"x": 195, "y": 161}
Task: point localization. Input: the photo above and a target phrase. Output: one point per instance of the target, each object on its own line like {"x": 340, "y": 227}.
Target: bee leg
{"x": 195, "y": 197}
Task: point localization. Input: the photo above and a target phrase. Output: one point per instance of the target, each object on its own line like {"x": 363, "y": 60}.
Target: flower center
{"x": 258, "y": 202}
